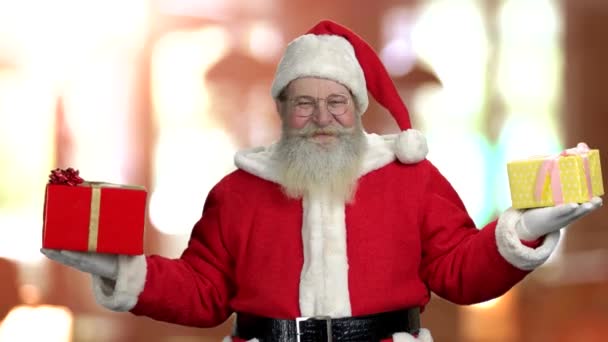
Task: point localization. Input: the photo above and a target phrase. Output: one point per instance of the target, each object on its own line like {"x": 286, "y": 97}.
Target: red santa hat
{"x": 334, "y": 52}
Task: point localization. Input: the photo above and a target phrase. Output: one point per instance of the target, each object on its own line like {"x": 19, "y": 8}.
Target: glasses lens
{"x": 337, "y": 104}
{"x": 304, "y": 106}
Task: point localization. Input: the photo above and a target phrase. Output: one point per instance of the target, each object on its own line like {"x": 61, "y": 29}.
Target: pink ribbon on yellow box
{"x": 549, "y": 167}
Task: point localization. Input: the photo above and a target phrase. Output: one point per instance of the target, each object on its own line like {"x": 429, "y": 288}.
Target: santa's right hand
{"x": 104, "y": 265}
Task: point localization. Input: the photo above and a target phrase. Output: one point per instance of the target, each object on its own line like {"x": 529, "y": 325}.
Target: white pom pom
{"x": 410, "y": 146}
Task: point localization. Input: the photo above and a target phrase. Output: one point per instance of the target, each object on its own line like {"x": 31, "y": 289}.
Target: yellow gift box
{"x": 573, "y": 176}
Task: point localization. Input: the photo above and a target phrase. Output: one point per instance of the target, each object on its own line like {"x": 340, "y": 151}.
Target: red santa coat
{"x": 254, "y": 250}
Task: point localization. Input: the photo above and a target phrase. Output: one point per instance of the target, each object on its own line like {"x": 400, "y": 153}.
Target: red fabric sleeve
{"x": 460, "y": 263}
{"x": 195, "y": 289}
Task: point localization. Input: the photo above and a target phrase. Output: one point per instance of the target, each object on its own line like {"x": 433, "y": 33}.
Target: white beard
{"x": 306, "y": 166}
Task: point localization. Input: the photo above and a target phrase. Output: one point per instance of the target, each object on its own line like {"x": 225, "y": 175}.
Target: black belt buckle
{"x": 327, "y": 320}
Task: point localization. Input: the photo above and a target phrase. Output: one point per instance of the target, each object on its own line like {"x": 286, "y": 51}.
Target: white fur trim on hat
{"x": 410, "y": 146}
{"x": 516, "y": 253}
{"x": 323, "y": 56}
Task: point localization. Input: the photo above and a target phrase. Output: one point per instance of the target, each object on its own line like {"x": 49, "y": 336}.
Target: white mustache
{"x": 312, "y": 130}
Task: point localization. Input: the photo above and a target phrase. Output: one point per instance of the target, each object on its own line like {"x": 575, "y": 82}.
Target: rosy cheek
{"x": 347, "y": 120}
{"x": 297, "y": 122}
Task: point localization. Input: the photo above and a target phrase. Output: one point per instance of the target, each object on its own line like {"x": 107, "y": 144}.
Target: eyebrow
{"x": 314, "y": 97}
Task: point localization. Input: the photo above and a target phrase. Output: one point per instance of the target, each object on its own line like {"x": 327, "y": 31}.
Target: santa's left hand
{"x": 538, "y": 222}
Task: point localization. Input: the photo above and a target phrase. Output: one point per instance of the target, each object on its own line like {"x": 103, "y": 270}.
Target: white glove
{"x": 538, "y": 222}
{"x": 104, "y": 265}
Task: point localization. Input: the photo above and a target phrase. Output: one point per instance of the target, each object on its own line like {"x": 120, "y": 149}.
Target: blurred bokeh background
{"x": 162, "y": 93}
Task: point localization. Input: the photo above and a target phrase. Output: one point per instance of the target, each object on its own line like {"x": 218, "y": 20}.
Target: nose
{"x": 322, "y": 117}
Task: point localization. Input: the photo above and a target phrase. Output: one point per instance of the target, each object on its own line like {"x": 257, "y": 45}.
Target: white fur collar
{"x": 260, "y": 161}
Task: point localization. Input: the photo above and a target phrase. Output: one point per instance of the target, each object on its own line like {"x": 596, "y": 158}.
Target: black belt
{"x": 372, "y": 328}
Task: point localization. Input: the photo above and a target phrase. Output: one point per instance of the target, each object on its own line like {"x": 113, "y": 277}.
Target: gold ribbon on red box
{"x": 71, "y": 177}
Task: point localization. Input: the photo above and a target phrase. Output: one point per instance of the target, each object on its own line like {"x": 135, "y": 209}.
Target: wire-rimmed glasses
{"x": 305, "y": 106}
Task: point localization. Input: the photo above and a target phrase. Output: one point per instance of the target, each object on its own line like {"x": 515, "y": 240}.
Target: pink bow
{"x": 550, "y": 167}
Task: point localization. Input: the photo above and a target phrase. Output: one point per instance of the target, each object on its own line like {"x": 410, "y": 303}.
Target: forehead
{"x": 315, "y": 86}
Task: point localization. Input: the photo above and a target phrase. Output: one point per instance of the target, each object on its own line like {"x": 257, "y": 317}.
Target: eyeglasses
{"x": 305, "y": 106}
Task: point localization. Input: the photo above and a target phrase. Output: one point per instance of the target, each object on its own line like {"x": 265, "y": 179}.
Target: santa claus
{"x": 330, "y": 234}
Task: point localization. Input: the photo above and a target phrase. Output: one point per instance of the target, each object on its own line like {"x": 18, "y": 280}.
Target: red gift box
{"x": 95, "y": 217}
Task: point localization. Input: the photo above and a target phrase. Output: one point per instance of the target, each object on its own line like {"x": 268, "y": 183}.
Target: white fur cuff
{"x": 516, "y": 253}
{"x": 130, "y": 283}
{"x": 410, "y": 146}
{"x": 424, "y": 335}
